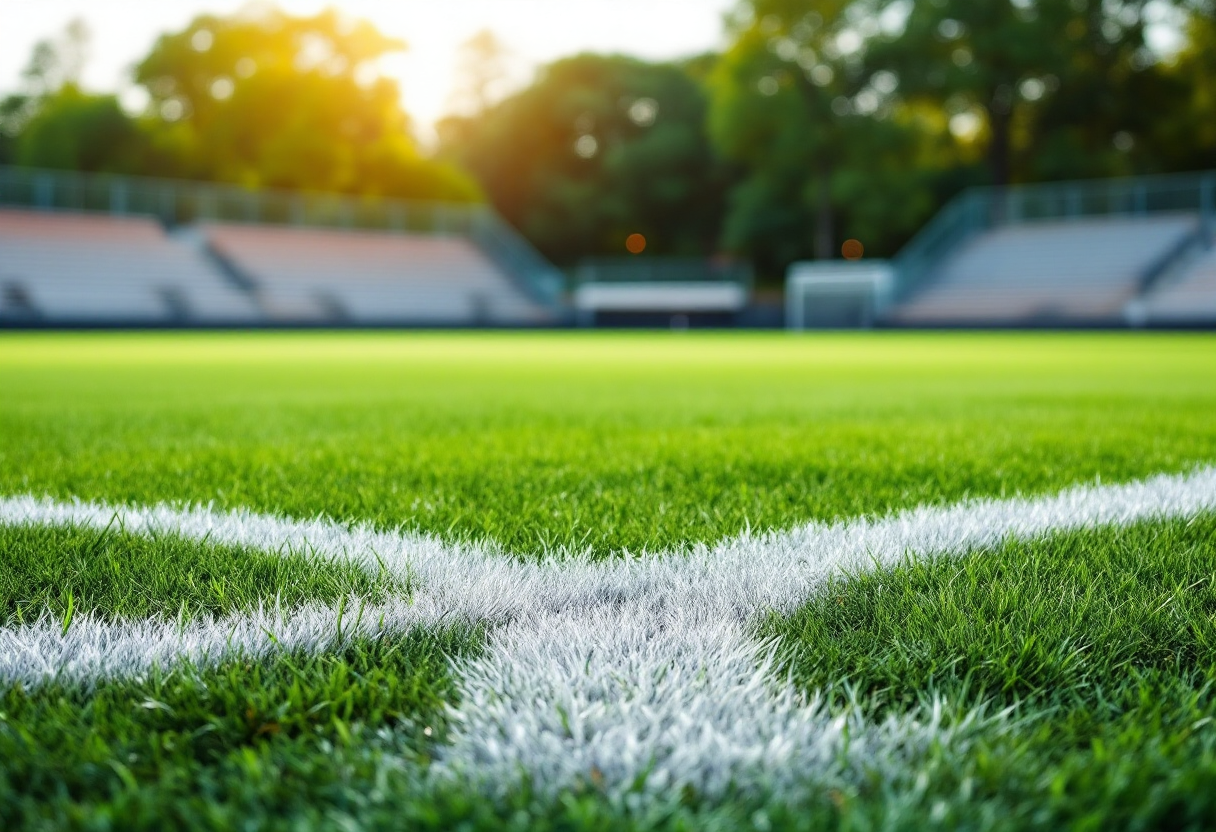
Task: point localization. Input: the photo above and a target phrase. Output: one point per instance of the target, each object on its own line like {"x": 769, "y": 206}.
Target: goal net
{"x": 836, "y": 294}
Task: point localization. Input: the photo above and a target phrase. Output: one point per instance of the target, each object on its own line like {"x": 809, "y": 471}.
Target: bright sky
{"x": 535, "y": 31}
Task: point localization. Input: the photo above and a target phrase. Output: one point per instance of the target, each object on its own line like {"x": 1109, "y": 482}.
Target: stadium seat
{"x": 334, "y": 276}
{"x": 93, "y": 268}
{"x": 1067, "y": 271}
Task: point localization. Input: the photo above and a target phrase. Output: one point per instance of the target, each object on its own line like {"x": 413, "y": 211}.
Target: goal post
{"x": 837, "y": 294}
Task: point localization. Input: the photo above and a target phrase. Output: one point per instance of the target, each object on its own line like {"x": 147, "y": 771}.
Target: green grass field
{"x": 1074, "y": 673}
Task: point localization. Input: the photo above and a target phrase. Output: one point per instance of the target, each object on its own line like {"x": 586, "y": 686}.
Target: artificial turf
{"x": 1062, "y": 623}
{"x": 1090, "y": 655}
{"x": 587, "y": 441}
{"x": 114, "y": 574}
{"x": 1098, "y": 645}
{"x": 274, "y": 741}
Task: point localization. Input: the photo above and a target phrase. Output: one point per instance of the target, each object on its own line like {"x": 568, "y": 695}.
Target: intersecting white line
{"x": 628, "y": 671}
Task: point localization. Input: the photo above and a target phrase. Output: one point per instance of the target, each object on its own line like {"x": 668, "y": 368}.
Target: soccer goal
{"x": 836, "y": 294}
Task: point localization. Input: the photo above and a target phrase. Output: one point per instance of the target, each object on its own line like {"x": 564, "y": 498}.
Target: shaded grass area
{"x": 599, "y": 441}
{"x": 244, "y": 743}
{"x": 1101, "y": 644}
{"x": 119, "y": 575}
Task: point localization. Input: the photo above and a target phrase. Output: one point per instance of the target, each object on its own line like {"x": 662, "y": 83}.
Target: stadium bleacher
{"x": 339, "y": 276}
{"x": 106, "y": 250}
{"x": 1068, "y": 271}
{"x": 90, "y": 268}
{"x": 1189, "y": 297}
{"x": 88, "y": 249}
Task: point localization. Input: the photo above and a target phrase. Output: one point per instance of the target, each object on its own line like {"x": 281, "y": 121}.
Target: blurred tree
{"x": 1050, "y": 88}
{"x": 54, "y": 63}
{"x": 598, "y": 148}
{"x": 825, "y": 119}
{"x": 827, "y": 153}
{"x": 1185, "y": 138}
{"x": 265, "y": 99}
{"x": 72, "y": 130}
{"x": 58, "y": 62}
{"x": 12, "y": 122}
{"x": 482, "y": 68}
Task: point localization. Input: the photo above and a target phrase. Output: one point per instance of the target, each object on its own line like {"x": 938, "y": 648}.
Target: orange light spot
{"x": 853, "y": 250}
{"x": 635, "y": 243}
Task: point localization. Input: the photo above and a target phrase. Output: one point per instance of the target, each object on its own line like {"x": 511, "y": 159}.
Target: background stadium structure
{"x": 120, "y": 251}
{"x": 661, "y": 292}
{"x": 96, "y": 250}
{"x": 1107, "y": 253}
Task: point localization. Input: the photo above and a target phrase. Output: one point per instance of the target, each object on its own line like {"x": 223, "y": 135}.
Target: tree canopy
{"x": 259, "y": 98}
{"x": 265, "y": 99}
{"x": 820, "y": 121}
{"x": 598, "y": 148}
{"x": 77, "y": 131}
{"x": 827, "y": 154}
{"x": 1051, "y": 88}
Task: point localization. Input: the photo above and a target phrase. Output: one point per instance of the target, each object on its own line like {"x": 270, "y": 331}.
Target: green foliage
{"x": 265, "y": 99}
{"x": 822, "y": 120}
{"x": 1048, "y": 86}
{"x": 259, "y": 98}
{"x": 80, "y": 129}
{"x": 115, "y": 574}
{"x": 607, "y": 442}
{"x": 858, "y": 119}
{"x": 1185, "y": 137}
{"x": 74, "y": 130}
{"x": 13, "y": 113}
{"x": 597, "y": 149}
{"x": 828, "y": 156}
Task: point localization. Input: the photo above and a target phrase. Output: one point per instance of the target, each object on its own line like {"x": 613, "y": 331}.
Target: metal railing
{"x": 516, "y": 256}
{"x": 981, "y": 209}
{"x": 179, "y": 202}
{"x": 663, "y": 270}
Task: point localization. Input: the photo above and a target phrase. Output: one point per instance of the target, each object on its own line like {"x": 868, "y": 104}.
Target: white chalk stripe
{"x": 91, "y": 649}
{"x": 737, "y": 577}
{"x": 663, "y": 686}
{"x": 624, "y": 668}
{"x": 637, "y": 703}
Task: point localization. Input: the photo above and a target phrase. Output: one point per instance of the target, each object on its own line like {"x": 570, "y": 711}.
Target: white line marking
{"x": 621, "y": 670}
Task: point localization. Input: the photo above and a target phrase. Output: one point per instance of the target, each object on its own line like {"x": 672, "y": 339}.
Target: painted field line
{"x": 624, "y": 672}
{"x": 661, "y": 684}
